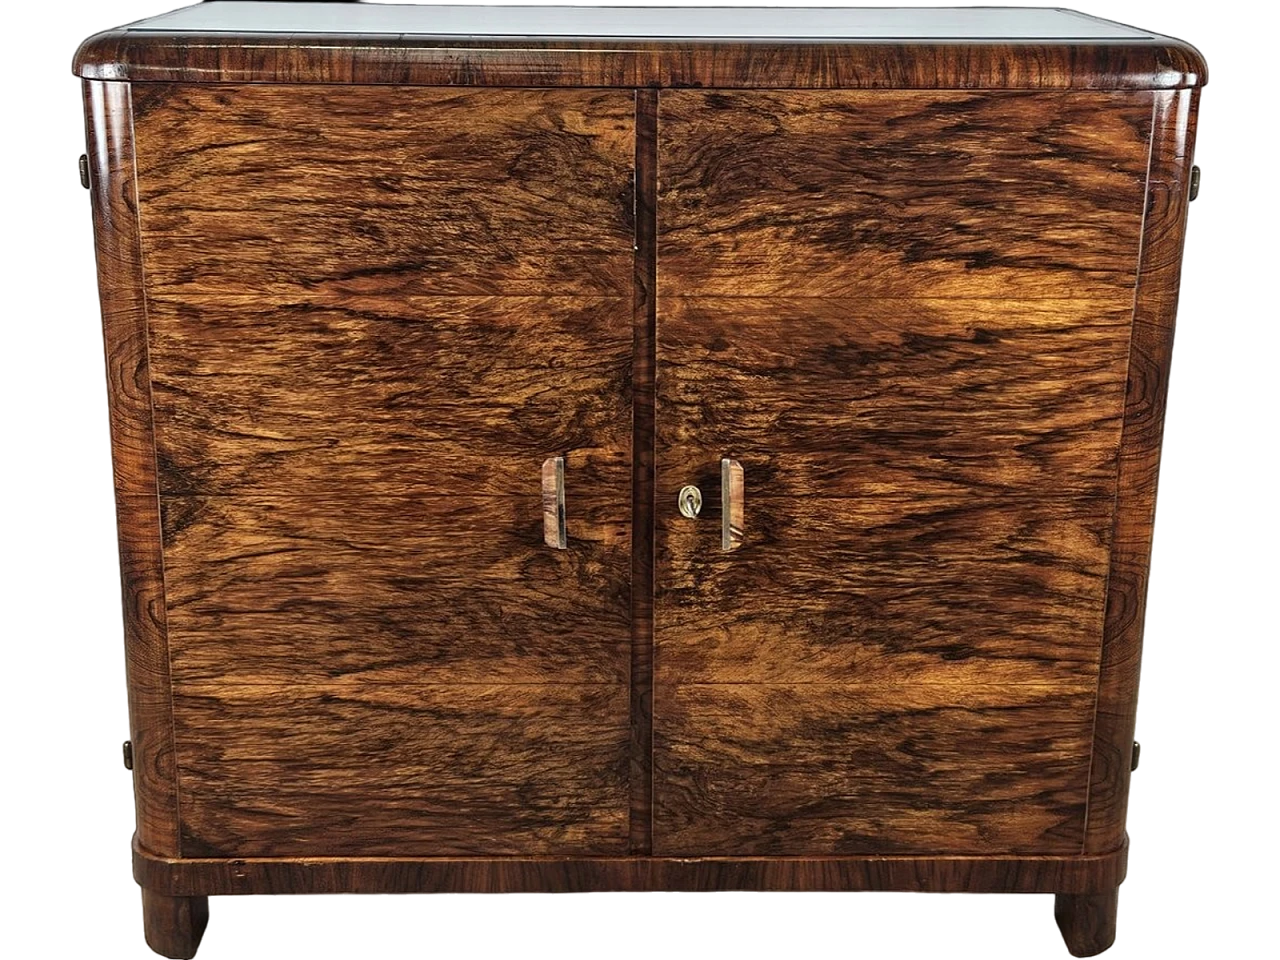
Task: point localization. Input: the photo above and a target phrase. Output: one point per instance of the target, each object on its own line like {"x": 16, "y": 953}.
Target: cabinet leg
{"x": 1087, "y": 922}
{"x": 174, "y": 925}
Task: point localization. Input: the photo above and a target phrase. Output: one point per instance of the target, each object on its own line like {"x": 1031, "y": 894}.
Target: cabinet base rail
{"x": 1075, "y": 875}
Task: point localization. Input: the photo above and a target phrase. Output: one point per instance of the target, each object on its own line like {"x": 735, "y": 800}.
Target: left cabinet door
{"x": 373, "y": 312}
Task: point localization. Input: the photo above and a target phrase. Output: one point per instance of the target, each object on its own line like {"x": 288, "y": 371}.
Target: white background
{"x": 1202, "y": 814}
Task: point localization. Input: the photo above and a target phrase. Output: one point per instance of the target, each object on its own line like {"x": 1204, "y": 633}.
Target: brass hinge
{"x": 84, "y": 171}
{"x": 1195, "y": 184}
{"x": 128, "y": 754}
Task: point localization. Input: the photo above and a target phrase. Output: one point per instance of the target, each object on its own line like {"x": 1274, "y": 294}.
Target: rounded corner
{"x": 98, "y": 57}
{"x": 1184, "y": 64}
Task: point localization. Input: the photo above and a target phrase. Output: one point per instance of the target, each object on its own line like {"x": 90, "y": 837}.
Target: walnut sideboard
{"x": 568, "y": 450}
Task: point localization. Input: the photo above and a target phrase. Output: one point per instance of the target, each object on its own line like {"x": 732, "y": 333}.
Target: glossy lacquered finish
{"x": 412, "y": 347}
{"x": 629, "y": 64}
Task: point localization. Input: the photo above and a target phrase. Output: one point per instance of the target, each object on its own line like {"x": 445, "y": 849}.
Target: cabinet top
{"x": 644, "y": 23}
{"x": 877, "y": 47}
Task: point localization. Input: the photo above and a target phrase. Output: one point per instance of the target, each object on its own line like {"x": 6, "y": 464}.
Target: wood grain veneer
{"x": 257, "y": 875}
{"x": 643, "y": 479}
{"x": 390, "y": 589}
{"x": 921, "y": 589}
{"x": 358, "y": 290}
{"x": 1147, "y": 383}
{"x": 901, "y": 194}
{"x": 925, "y": 384}
{"x": 844, "y": 397}
{"x": 124, "y": 330}
{"x": 876, "y": 768}
{"x": 270, "y": 394}
{"x": 516, "y": 191}
{"x": 352, "y": 519}
{"x": 432, "y": 770}
{"x": 1157, "y": 63}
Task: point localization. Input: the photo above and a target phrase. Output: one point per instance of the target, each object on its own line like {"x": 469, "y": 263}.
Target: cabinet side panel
{"x": 108, "y": 111}
{"x": 1155, "y": 305}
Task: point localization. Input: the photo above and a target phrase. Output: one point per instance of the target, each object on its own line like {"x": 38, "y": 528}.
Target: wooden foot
{"x": 174, "y": 925}
{"x": 1088, "y": 922}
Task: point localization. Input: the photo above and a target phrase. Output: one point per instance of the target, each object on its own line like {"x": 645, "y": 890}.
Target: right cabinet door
{"x": 907, "y": 316}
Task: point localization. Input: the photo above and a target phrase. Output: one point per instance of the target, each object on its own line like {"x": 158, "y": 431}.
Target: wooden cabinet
{"x": 420, "y": 335}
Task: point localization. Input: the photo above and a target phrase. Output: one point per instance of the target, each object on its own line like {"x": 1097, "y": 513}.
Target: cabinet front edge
{"x": 1160, "y": 63}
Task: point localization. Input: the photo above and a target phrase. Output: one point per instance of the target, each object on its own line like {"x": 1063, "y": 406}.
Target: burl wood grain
{"x": 819, "y": 769}
{"x": 924, "y": 380}
{"x": 1160, "y": 62}
{"x": 932, "y": 485}
{"x": 120, "y": 283}
{"x": 822, "y": 397}
{"x": 374, "y": 315}
{"x": 440, "y": 395}
{"x": 914, "y": 586}
{"x": 390, "y": 588}
{"x": 902, "y": 193}
{"x": 1155, "y": 306}
{"x": 388, "y": 191}
{"x": 403, "y": 769}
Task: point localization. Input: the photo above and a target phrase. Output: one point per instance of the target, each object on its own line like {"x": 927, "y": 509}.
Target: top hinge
{"x": 1195, "y": 183}
{"x": 80, "y": 163}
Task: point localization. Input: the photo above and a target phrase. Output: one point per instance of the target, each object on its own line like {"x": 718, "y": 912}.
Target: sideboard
{"x": 565, "y": 449}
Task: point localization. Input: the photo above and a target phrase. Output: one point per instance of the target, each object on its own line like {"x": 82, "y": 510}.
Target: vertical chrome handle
{"x": 553, "y": 523}
{"x": 732, "y": 489}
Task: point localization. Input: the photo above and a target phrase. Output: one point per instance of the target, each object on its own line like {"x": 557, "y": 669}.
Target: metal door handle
{"x": 553, "y": 521}
{"x": 732, "y": 512}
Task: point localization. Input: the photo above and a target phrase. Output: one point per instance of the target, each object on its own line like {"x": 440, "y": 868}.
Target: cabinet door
{"x": 906, "y": 315}
{"x": 374, "y": 313}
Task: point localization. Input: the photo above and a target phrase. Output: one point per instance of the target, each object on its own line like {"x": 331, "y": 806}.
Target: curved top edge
{"x": 153, "y": 56}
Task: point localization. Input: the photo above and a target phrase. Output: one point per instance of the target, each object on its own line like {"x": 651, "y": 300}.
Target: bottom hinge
{"x": 84, "y": 171}
{"x": 1133, "y": 757}
{"x": 128, "y": 754}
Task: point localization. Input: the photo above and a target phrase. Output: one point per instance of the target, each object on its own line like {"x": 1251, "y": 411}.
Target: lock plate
{"x": 689, "y": 499}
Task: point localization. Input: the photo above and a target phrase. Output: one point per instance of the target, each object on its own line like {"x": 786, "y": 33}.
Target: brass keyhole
{"x": 690, "y": 501}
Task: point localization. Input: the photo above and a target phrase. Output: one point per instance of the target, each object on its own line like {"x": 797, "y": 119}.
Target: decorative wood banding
{"x": 248, "y": 875}
{"x": 643, "y": 478}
